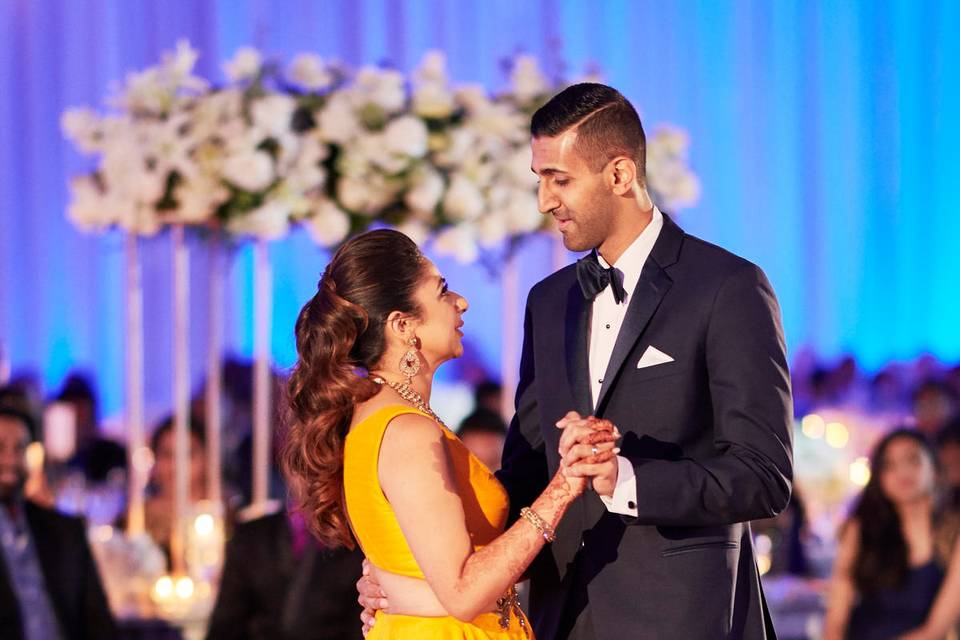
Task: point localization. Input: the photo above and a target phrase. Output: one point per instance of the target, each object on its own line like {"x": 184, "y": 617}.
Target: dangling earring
{"x": 410, "y": 362}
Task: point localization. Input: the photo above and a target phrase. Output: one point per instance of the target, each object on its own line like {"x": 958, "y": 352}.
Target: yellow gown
{"x": 375, "y": 525}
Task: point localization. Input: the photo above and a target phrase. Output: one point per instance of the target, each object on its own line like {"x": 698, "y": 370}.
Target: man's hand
{"x": 585, "y": 447}
{"x": 371, "y": 597}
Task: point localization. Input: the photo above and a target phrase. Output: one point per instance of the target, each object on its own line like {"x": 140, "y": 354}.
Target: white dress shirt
{"x": 605, "y": 322}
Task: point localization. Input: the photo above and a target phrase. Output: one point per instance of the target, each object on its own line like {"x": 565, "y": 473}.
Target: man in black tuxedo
{"x": 279, "y": 584}
{"x": 49, "y": 585}
{"x": 677, "y": 342}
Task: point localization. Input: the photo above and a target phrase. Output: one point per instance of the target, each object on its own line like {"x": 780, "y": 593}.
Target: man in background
{"x": 49, "y": 585}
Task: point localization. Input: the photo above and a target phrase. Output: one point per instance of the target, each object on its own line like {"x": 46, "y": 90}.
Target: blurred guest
{"x": 488, "y": 395}
{"x": 934, "y": 405}
{"x": 894, "y": 551}
{"x": 279, "y": 584}
{"x": 483, "y": 433}
{"x": 49, "y": 585}
{"x": 159, "y": 506}
{"x": 787, "y": 533}
{"x": 948, "y": 454}
{"x": 95, "y": 455}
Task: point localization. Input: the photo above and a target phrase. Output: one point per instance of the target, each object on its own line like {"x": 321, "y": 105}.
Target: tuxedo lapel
{"x": 649, "y": 292}
{"x": 576, "y": 349}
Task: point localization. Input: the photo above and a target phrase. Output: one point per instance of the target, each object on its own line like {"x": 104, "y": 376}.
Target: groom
{"x": 678, "y": 343}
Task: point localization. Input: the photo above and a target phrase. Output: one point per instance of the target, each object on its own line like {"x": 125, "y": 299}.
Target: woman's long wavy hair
{"x": 883, "y": 560}
{"x": 340, "y": 336}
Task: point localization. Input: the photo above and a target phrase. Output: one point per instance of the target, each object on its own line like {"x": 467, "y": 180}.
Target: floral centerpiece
{"x": 335, "y": 151}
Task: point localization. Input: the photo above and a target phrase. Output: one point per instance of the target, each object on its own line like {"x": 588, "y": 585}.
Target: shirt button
{"x": 631, "y": 504}
{"x": 600, "y": 381}
{"x": 608, "y": 326}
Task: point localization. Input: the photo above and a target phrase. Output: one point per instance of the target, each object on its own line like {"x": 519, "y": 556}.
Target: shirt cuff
{"x": 624, "y": 500}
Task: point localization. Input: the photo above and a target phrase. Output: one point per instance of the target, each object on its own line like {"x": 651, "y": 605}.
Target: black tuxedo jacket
{"x": 72, "y": 581}
{"x": 708, "y": 435}
{"x": 266, "y": 593}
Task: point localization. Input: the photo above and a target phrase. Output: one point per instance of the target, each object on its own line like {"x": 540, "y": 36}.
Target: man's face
{"x": 569, "y": 190}
{"x": 14, "y": 438}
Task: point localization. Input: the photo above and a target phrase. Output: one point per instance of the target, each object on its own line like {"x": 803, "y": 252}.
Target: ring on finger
{"x": 595, "y": 450}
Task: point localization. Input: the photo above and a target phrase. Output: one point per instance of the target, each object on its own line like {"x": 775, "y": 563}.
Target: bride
{"x": 369, "y": 460}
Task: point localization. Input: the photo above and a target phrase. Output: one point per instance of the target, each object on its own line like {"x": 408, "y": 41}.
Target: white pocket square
{"x": 652, "y": 357}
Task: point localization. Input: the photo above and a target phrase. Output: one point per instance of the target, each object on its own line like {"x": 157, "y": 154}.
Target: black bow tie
{"x": 594, "y": 278}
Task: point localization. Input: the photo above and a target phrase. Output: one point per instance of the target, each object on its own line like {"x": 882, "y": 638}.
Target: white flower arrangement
{"x": 332, "y": 151}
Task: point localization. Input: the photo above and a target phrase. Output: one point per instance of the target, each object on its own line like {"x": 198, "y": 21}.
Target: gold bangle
{"x": 541, "y": 525}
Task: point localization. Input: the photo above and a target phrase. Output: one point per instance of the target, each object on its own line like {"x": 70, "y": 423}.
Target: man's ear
{"x": 622, "y": 175}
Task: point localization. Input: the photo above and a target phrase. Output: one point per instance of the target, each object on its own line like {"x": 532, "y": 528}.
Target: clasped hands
{"x": 588, "y": 452}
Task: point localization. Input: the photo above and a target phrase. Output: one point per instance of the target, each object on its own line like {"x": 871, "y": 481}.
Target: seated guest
{"x": 159, "y": 507}
{"x": 948, "y": 454}
{"x": 483, "y": 433}
{"x": 897, "y": 569}
{"x": 49, "y": 585}
{"x": 95, "y": 455}
{"x": 934, "y": 405}
{"x": 278, "y": 583}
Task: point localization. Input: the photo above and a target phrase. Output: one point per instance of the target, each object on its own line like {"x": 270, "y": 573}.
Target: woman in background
{"x": 897, "y": 572}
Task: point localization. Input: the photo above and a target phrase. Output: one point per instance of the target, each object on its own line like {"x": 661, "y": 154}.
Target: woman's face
{"x": 164, "y": 463}
{"x": 440, "y": 326}
{"x": 907, "y": 472}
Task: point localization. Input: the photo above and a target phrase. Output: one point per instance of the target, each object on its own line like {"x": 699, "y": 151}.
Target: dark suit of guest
{"x": 269, "y": 592}
{"x": 70, "y": 576}
{"x": 707, "y": 434}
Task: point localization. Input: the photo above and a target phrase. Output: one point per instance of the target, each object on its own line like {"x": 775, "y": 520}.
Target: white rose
{"x": 86, "y": 209}
{"x": 462, "y": 142}
{"x": 459, "y": 241}
{"x": 671, "y": 141}
{"x": 522, "y": 214}
{"x": 273, "y": 114}
{"x": 337, "y": 123}
{"x": 406, "y": 136}
{"x": 432, "y": 68}
{"x": 527, "y": 79}
{"x": 329, "y": 225}
{"x": 517, "y": 168}
{"x": 501, "y": 121}
{"x": 83, "y": 127}
{"x": 473, "y": 97}
{"x": 244, "y": 65}
{"x": 433, "y": 100}
{"x": 309, "y": 71}
{"x": 250, "y": 170}
{"x": 198, "y": 200}
{"x": 415, "y": 230}
{"x": 383, "y": 88}
{"x": 463, "y": 200}
{"x": 353, "y": 194}
{"x": 426, "y": 192}
{"x": 270, "y": 221}
{"x": 492, "y": 229}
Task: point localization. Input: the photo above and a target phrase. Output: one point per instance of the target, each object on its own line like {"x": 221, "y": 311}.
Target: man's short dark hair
{"x": 22, "y": 417}
{"x": 607, "y": 124}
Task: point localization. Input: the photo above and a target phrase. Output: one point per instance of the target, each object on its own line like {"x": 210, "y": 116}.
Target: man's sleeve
{"x": 751, "y": 474}
{"x": 524, "y": 469}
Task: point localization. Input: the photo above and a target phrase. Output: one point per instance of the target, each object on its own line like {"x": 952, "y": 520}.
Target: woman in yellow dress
{"x": 370, "y": 461}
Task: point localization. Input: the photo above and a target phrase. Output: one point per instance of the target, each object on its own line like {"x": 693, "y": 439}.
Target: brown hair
{"x": 607, "y": 124}
{"x": 340, "y": 336}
